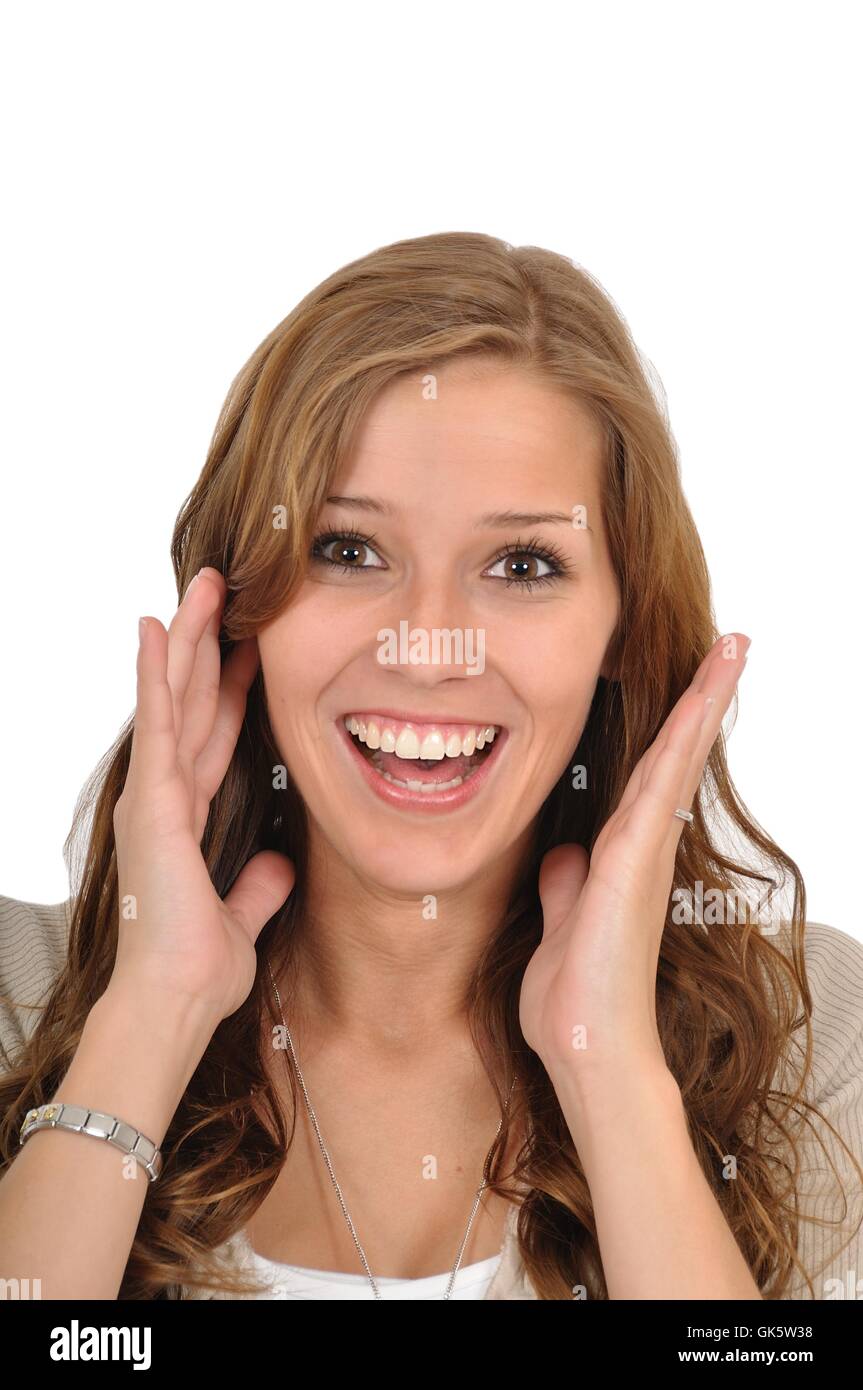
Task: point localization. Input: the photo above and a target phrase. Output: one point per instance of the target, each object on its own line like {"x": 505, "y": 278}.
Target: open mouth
{"x": 425, "y": 758}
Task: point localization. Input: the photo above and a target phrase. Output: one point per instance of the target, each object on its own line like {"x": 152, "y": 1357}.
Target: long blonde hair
{"x": 728, "y": 1000}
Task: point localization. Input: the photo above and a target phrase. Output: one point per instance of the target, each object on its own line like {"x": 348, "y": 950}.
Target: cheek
{"x": 295, "y": 668}
{"x": 555, "y": 682}
{"x": 559, "y": 703}
{"x": 317, "y": 636}
{"x": 554, "y": 666}
{"x": 303, "y": 648}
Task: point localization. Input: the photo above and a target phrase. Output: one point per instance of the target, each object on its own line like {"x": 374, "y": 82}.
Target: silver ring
{"x": 684, "y": 815}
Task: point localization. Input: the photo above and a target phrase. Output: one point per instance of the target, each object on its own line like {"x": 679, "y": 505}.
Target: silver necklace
{"x": 345, "y": 1211}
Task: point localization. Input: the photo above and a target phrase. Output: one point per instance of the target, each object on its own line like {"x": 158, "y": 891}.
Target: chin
{"x": 412, "y": 865}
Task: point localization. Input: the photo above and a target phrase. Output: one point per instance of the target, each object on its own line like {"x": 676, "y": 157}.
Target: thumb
{"x": 259, "y": 890}
{"x": 562, "y": 876}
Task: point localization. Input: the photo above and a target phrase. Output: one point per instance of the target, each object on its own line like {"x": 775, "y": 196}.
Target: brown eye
{"x": 348, "y": 553}
{"x": 521, "y": 567}
{"x": 345, "y": 551}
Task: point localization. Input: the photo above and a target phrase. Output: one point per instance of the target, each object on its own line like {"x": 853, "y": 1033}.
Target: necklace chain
{"x": 342, "y": 1204}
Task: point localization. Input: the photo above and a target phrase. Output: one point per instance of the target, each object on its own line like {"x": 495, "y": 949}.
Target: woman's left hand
{"x": 588, "y": 997}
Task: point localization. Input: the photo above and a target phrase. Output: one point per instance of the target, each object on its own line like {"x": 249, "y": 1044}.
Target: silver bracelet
{"x": 56, "y": 1115}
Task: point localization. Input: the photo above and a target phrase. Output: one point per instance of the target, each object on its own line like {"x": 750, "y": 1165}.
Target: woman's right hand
{"x": 184, "y": 942}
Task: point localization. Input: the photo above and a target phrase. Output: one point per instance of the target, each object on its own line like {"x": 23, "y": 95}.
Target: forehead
{"x": 476, "y": 426}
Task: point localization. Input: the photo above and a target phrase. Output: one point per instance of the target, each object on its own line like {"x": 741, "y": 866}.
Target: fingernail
{"x": 142, "y": 623}
{"x": 191, "y": 586}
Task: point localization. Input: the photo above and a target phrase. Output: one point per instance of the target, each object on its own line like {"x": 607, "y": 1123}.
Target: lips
{"x": 421, "y": 763}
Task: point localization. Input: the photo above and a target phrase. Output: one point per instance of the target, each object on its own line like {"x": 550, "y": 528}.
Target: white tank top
{"x": 292, "y": 1281}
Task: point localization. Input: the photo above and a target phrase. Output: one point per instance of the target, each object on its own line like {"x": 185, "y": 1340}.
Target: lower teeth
{"x": 415, "y": 786}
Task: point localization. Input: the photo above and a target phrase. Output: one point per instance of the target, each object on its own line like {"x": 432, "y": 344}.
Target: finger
{"x": 642, "y": 768}
{"x": 260, "y": 889}
{"x": 153, "y": 755}
{"x": 201, "y": 700}
{"x": 562, "y": 875}
{"x": 722, "y": 684}
{"x": 237, "y": 676}
{"x": 679, "y": 766}
{"x": 203, "y": 597}
{"x": 722, "y": 646}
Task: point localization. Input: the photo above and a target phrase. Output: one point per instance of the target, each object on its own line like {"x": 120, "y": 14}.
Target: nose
{"x": 431, "y": 637}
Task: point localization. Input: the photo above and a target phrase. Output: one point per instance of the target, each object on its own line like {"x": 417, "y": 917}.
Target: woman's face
{"x": 418, "y": 640}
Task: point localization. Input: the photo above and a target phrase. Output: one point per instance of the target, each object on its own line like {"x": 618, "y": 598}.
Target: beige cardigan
{"x": 33, "y": 939}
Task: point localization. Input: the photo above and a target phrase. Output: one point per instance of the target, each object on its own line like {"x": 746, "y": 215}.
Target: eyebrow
{"x": 371, "y": 504}
{"x": 527, "y": 519}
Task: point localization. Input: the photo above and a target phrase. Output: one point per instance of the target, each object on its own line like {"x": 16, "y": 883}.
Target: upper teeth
{"x": 403, "y": 740}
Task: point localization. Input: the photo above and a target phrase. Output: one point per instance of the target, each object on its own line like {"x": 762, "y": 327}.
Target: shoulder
{"x": 834, "y": 973}
{"x": 834, "y": 963}
{"x": 33, "y": 945}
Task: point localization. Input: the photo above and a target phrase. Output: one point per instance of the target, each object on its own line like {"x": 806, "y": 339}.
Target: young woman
{"x": 389, "y": 933}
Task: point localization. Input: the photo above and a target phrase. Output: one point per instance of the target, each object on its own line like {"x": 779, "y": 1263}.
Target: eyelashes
{"x": 534, "y": 549}
{"x": 352, "y": 540}
{"x": 355, "y": 543}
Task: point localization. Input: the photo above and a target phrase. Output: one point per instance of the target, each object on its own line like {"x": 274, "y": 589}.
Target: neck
{"x": 371, "y": 970}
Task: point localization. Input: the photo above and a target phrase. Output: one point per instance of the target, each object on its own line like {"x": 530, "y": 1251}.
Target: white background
{"x": 177, "y": 176}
